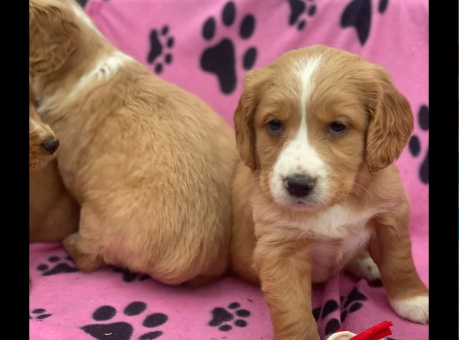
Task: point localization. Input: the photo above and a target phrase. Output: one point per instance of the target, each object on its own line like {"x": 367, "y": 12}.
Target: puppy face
{"x": 53, "y": 34}
{"x": 42, "y": 140}
{"x": 313, "y": 118}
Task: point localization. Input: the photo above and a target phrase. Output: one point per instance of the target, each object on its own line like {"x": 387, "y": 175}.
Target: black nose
{"x": 51, "y": 146}
{"x": 299, "y": 186}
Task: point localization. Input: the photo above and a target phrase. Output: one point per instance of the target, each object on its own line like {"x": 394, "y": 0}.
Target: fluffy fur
{"x": 53, "y": 213}
{"x": 286, "y": 124}
{"x": 150, "y": 164}
{"x": 39, "y": 134}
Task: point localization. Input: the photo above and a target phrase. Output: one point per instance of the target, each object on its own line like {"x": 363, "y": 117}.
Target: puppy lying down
{"x": 150, "y": 164}
{"x": 318, "y": 131}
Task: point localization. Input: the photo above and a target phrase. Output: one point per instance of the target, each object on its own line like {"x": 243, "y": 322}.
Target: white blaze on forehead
{"x": 299, "y": 156}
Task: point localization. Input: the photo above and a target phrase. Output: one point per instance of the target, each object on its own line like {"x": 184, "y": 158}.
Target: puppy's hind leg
{"x": 81, "y": 248}
{"x": 364, "y": 267}
{"x": 85, "y": 261}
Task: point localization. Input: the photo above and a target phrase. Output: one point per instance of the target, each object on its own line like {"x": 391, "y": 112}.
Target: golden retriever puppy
{"x": 53, "y": 213}
{"x": 150, "y": 164}
{"x": 42, "y": 140}
{"x": 318, "y": 131}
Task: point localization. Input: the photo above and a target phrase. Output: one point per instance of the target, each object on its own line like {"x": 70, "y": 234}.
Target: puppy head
{"x": 310, "y": 120}
{"x": 53, "y": 34}
{"x": 42, "y": 140}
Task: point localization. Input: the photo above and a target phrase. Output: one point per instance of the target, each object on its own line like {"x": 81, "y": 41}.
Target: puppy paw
{"x": 364, "y": 268}
{"x": 413, "y": 309}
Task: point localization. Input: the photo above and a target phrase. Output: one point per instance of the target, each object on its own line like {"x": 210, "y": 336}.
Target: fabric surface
{"x": 206, "y": 47}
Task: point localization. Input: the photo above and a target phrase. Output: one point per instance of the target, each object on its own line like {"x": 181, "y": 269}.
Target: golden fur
{"x": 150, "y": 164}
{"x": 53, "y": 213}
{"x": 39, "y": 134}
{"x": 269, "y": 245}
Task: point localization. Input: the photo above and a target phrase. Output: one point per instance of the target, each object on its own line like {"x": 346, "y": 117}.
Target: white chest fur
{"x": 340, "y": 234}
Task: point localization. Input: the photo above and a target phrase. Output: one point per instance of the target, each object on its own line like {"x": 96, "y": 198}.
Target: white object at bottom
{"x": 344, "y": 336}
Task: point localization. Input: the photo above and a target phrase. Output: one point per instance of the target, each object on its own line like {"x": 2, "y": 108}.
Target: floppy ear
{"x": 254, "y": 85}
{"x": 391, "y": 124}
{"x": 53, "y": 36}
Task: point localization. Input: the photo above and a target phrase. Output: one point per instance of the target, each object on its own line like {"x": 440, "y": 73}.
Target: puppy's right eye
{"x": 275, "y": 127}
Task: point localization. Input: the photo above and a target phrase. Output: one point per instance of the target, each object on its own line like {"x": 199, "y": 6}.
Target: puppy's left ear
{"x": 390, "y": 126}
{"x": 53, "y": 36}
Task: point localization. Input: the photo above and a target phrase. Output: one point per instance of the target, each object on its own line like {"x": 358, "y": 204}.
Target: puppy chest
{"x": 340, "y": 234}
{"x": 330, "y": 256}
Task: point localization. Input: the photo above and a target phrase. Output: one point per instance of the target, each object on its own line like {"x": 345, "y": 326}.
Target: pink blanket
{"x": 206, "y": 46}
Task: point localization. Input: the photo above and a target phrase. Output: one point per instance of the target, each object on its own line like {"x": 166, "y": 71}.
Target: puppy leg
{"x": 364, "y": 267}
{"x": 390, "y": 247}
{"x": 79, "y": 245}
{"x": 30, "y": 283}
{"x": 77, "y": 249}
{"x": 285, "y": 274}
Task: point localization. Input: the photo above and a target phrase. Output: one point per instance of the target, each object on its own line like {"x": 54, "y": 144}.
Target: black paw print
{"x": 131, "y": 277}
{"x": 160, "y": 41}
{"x": 352, "y": 303}
{"x": 39, "y": 314}
{"x": 297, "y": 9}
{"x": 414, "y": 144}
{"x": 62, "y": 266}
{"x": 358, "y": 14}
{"x": 221, "y": 317}
{"x": 220, "y": 59}
{"x": 122, "y": 330}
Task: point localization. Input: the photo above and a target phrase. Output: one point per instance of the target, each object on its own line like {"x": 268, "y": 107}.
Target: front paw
{"x": 414, "y": 309}
{"x": 364, "y": 268}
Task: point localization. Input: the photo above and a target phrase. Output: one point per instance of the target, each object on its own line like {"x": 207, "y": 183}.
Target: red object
{"x": 374, "y": 333}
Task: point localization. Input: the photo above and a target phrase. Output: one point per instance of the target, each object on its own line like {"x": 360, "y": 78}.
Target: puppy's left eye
{"x": 275, "y": 127}
{"x": 337, "y": 128}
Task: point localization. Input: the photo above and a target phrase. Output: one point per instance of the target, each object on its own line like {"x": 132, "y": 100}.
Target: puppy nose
{"x": 51, "y": 146}
{"x": 299, "y": 186}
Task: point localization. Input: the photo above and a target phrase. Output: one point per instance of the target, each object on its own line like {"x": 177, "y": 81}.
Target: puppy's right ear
{"x": 53, "y": 36}
{"x": 255, "y": 83}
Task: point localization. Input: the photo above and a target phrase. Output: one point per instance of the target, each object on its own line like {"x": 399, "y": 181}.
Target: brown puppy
{"x": 53, "y": 213}
{"x": 318, "y": 131}
{"x": 150, "y": 164}
{"x": 42, "y": 140}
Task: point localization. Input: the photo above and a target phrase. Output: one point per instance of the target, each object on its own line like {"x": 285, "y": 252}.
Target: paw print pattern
{"x": 352, "y": 303}
{"x": 414, "y": 145}
{"x": 220, "y": 59}
{"x": 160, "y": 44}
{"x": 221, "y": 317}
{"x": 358, "y": 14}
{"x": 131, "y": 277}
{"x": 57, "y": 266}
{"x": 300, "y": 10}
{"x": 123, "y": 330}
{"x": 39, "y": 314}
